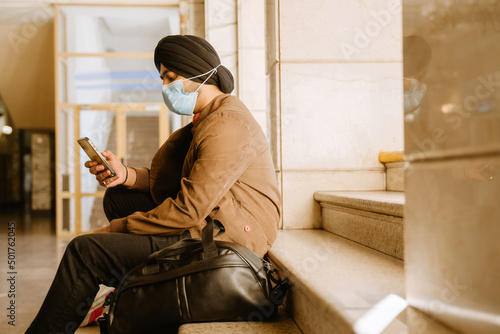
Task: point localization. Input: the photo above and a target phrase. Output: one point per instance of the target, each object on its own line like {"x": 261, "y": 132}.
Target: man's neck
{"x": 206, "y": 94}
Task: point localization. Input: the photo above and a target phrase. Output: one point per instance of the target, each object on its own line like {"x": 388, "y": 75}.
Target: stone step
{"x": 339, "y": 286}
{"x": 371, "y": 218}
{"x": 395, "y": 176}
{"x": 282, "y": 325}
{"x": 394, "y": 170}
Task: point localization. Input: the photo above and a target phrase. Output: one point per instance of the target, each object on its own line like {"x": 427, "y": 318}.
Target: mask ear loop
{"x": 212, "y": 71}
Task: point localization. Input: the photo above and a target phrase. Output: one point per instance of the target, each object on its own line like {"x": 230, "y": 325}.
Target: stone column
{"x": 251, "y": 59}
{"x": 236, "y": 30}
{"x": 452, "y": 220}
{"x": 221, "y": 30}
{"x": 192, "y": 17}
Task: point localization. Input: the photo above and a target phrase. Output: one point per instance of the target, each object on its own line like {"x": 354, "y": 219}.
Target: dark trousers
{"x": 93, "y": 259}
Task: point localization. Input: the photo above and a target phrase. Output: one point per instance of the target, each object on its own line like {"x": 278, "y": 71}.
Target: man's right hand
{"x": 103, "y": 175}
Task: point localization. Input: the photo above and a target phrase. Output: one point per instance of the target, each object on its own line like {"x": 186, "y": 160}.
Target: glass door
{"x": 107, "y": 89}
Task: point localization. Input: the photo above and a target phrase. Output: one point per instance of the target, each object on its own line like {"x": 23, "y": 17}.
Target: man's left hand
{"x": 105, "y": 229}
{"x": 119, "y": 225}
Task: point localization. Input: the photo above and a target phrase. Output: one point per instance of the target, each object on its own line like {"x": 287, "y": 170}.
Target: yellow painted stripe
{"x": 391, "y": 156}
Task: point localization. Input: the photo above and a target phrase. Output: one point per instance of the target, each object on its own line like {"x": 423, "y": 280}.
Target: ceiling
{"x": 131, "y": 20}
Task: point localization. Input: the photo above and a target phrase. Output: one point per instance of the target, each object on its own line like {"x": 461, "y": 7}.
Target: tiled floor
{"x": 37, "y": 255}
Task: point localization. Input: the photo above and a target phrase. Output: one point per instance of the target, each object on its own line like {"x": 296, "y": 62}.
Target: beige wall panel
{"x": 339, "y": 29}
{"x": 340, "y": 115}
{"x": 27, "y": 67}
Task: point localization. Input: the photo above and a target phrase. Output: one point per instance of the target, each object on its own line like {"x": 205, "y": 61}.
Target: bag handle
{"x": 184, "y": 246}
{"x": 207, "y": 237}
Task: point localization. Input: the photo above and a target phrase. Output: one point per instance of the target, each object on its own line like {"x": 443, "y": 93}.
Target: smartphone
{"x": 94, "y": 153}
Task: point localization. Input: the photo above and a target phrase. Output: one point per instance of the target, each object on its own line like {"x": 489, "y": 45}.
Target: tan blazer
{"x": 221, "y": 167}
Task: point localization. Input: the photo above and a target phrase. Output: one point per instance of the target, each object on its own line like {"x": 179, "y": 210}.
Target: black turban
{"x": 190, "y": 56}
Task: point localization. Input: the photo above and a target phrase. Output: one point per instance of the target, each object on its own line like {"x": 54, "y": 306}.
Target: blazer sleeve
{"x": 224, "y": 149}
{"x": 142, "y": 180}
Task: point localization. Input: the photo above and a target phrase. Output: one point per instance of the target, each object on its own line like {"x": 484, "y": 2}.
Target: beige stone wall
{"x": 27, "y": 65}
{"x": 335, "y": 97}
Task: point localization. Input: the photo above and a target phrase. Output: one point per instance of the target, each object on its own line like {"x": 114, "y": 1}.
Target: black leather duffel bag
{"x": 194, "y": 280}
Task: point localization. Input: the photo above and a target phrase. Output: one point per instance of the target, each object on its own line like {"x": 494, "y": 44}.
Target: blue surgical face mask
{"x": 177, "y": 100}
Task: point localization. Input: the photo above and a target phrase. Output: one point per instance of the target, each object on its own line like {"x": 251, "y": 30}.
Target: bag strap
{"x": 103, "y": 323}
{"x": 280, "y": 287}
{"x": 186, "y": 245}
{"x": 207, "y": 237}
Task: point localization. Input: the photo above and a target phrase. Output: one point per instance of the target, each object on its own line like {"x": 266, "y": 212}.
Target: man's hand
{"x": 102, "y": 175}
{"x": 105, "y": 229}
{"x": 116, "y": 225}
{"x": 119, "y": 225}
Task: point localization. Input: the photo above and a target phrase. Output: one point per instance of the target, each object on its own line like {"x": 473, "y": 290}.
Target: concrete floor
{"x": 37, "y": 255}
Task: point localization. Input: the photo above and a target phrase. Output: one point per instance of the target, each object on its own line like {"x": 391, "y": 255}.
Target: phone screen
{"x": 94, "y": 153}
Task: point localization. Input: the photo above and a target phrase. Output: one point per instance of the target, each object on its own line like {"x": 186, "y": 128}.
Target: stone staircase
{"x": 348, "y": 277}
{"x": 372, "y": 218}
